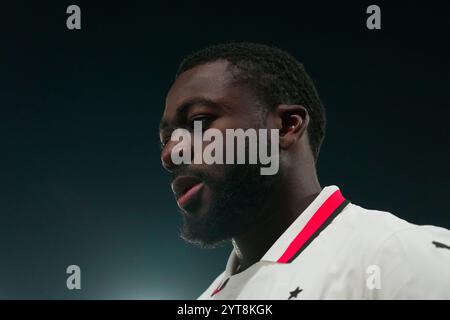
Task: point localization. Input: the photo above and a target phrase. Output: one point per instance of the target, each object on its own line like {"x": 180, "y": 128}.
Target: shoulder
{"x": 413, "y": 260}
{"x": 418, "y": 260}
{"x": 374, "y": 221}
{"x": 365, "y": 230}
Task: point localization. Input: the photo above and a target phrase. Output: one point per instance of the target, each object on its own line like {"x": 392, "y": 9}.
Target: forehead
{"x": 212, "y": 81}
{"x": 207, "y": 80}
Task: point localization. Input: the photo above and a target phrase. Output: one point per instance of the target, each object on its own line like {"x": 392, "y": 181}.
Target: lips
{"x": 186, "y": 188}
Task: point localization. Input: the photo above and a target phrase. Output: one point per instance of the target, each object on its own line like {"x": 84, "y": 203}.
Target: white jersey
{"x": 339, "y": 250}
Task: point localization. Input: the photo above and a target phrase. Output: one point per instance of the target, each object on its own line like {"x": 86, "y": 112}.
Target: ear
{"x": 294, "y": 121}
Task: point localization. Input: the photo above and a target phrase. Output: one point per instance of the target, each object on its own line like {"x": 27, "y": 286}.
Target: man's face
{"x": 217, "y": 201}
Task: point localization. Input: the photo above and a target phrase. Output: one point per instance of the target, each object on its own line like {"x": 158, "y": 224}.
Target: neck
{"x": 290, "y": 200}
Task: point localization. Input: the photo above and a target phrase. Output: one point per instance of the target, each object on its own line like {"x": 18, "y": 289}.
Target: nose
{"x": 177, "y": 148}
{"x": 166, "y": 158}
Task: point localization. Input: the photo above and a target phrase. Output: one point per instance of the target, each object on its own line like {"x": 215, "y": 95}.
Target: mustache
{"x": 189, "y": 171}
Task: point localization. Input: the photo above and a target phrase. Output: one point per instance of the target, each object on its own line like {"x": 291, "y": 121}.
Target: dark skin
{"x": 225, "y": 105}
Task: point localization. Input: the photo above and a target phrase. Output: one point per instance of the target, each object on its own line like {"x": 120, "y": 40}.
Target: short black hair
{"x": 275, "y": 75}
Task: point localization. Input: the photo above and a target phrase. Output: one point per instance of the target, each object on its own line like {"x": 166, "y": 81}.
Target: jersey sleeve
{"x": 413, "y": 263}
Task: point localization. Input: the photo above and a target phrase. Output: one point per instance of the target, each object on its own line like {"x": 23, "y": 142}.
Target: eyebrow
{"x": 184, "y": 108}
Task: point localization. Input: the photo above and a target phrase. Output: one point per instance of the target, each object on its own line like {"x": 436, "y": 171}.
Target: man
{"x": 292, "y": 239}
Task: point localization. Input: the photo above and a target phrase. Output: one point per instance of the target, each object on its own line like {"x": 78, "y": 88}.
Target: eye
{"x": 205, "y": 119}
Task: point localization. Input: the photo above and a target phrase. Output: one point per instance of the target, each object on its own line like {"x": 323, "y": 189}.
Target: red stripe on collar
{"x": 321, "y": 218}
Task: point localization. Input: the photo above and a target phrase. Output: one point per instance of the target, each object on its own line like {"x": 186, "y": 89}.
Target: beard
{"x": 237, "y": 205}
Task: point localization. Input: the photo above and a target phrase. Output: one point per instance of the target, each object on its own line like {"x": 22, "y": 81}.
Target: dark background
{"x": 80, "y": 175}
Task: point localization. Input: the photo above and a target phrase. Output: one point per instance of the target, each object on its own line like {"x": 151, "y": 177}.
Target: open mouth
{"x": 186, "y": 189}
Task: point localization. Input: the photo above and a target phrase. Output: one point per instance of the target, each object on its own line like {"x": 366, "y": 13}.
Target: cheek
{"x": 240, "y": 121}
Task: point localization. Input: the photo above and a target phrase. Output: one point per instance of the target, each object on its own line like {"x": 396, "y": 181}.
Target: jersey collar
{"x": 316, "y": 217}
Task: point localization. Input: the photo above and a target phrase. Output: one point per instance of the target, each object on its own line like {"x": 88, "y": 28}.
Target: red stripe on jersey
{"x": 220, "y": 287}
{"x": 318, "y": 219}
